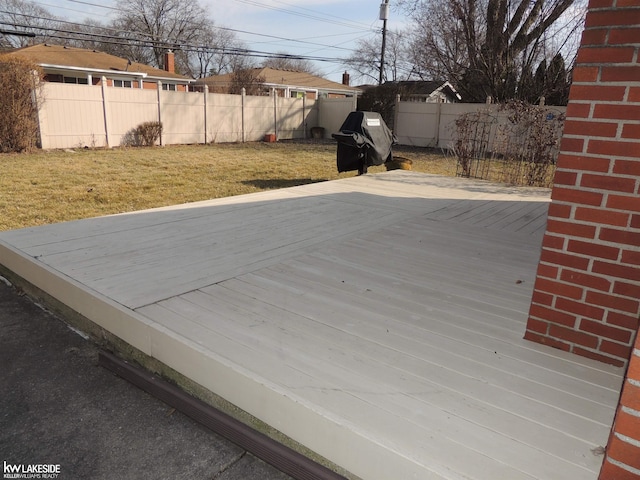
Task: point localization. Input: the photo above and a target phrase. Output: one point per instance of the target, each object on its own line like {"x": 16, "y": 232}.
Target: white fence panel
{"x": 434, "y": 124}
{"x": 450, "y": 113}
{"x": 71, "y": 116}
{"x": 259, "y": 117}
{"x": 332, "y": 112}
{"x": 182, "y": 117}
{"x": 290, "y": 114}
{"x": 126, "y": 109}
{"x": 417, "y": 124}
{"x": 224, "y": 118}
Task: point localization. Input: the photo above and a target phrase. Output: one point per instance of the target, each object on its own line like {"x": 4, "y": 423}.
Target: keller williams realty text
{"x": 42, "y": 470}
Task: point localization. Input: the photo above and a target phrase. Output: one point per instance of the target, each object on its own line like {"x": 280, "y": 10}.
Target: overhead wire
{"x": 141, "y": 38}
{"x": 339, "y": 21}
{"x": 234, "y": 30}
{"x": 321, "y": 13}
{"x": 142, "y": 42}
{"x": 95, "y": 5}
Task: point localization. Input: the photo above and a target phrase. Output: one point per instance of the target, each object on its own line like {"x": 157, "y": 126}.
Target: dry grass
{"x": 55, "y": 186}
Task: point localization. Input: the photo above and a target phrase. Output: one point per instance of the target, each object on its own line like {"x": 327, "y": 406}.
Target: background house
{"x": 430, "y": 92}
{"x": 417, "y": 91}
{"x": 285, "y": 83}
{"x": 87, "y": 67}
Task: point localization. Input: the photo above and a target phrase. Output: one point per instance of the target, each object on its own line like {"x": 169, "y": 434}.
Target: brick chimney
{"x": 345, "y": 78}
{"x": 169, "y": 62}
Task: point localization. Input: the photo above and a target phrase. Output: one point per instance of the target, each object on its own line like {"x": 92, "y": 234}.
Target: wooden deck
{"x": 378, "y": 320}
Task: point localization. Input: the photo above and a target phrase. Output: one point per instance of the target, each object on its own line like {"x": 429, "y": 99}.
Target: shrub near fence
{"x": 19, "y": 80}
{"x": 432, "y": 125}
{"x": 521, "y": 150}
{"x": 485, "y": 136}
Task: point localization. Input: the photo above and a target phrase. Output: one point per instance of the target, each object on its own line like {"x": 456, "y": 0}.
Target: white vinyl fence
{"x": 74, "y": 116}
{"x": 434, "y": 124}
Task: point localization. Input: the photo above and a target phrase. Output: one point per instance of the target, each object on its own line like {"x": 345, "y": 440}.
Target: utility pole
{"x": 384, "y": 16}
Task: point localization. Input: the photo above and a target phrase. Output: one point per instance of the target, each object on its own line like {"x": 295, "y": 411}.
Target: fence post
{"x": 35, "y": 87}
{"x": 103, "y": 84}
{"x": 205, "y": 95}
{"x": 396, "y": 113}
{"x": 243, "y": 94}
{"x": 160, "y": 113}
{"x": 304, "y": 114}
{"x": 438, "y": 119}
{"x": 275, "y": 114}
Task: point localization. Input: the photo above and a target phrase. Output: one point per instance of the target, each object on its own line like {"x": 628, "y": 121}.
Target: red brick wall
{"x": 622, "y": 460}
{"x": 587, "y": 291}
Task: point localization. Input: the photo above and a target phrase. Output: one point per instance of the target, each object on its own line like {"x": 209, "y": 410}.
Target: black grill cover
{"x": 364, "y": 140}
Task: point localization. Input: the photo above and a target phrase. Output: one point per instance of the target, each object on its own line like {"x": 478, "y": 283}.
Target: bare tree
{"x": 161, "y": 24}
{"x": 200, "y": 48}
{"x": 217, "y": 53}
{"x": 437, "y": 46}
{"x": 24, "y": 17}
{"x": 91, "y": 34}
{"x": 483, "y": 46}
{"x": 285, "y": 61}
{"x": 247, "y": 78}
{"x": 365, "y": 60}
{"x": 142, "y": 32}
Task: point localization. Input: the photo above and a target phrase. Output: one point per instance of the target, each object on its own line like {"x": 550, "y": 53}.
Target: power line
{"x": 114, "y": 40}
{"x": 233, "y": 30}
{"x": 339, "y": 21}
{"x": 17, "y": 33}
{"x": 325, "y": 14}
{"x": 115, "y": 36}
{"x": 282, "y": 38}
{"x": 42, "y": 4}
{"x": 95, "y": 5}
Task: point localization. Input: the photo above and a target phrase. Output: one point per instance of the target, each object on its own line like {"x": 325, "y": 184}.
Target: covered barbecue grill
{"x": 364, "y": 140}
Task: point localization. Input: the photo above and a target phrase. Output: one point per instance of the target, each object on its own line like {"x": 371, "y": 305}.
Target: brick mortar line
{"x": 623, "y": 466}
{"x": 630, "y": 411}
{"x": 626, "y": 439}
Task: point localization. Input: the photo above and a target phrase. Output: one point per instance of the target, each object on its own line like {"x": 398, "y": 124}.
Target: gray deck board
{"x": 378, "y": 320}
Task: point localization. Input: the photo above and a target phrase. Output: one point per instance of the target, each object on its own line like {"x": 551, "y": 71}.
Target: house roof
{"x": 420, "y": 87}
{"x": 285, "y": 78}
{"x": 58, "y": 56}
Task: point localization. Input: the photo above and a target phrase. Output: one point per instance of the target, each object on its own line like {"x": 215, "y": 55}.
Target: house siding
{"x": 587, "y": 290}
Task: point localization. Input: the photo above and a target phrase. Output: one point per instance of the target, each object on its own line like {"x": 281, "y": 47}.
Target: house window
{"x": 76, "y": 80}
{"x": 169, "y": 86}
{"x": 122, "y": 83}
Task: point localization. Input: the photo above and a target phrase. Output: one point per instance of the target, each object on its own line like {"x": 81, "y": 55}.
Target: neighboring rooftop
{"x": 426, "y": 90}
{"x": 56, "y": 56}
{"x": 284, "y": 78}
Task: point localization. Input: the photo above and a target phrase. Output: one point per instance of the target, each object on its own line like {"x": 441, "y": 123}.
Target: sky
{"x": 328, "y": 29}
